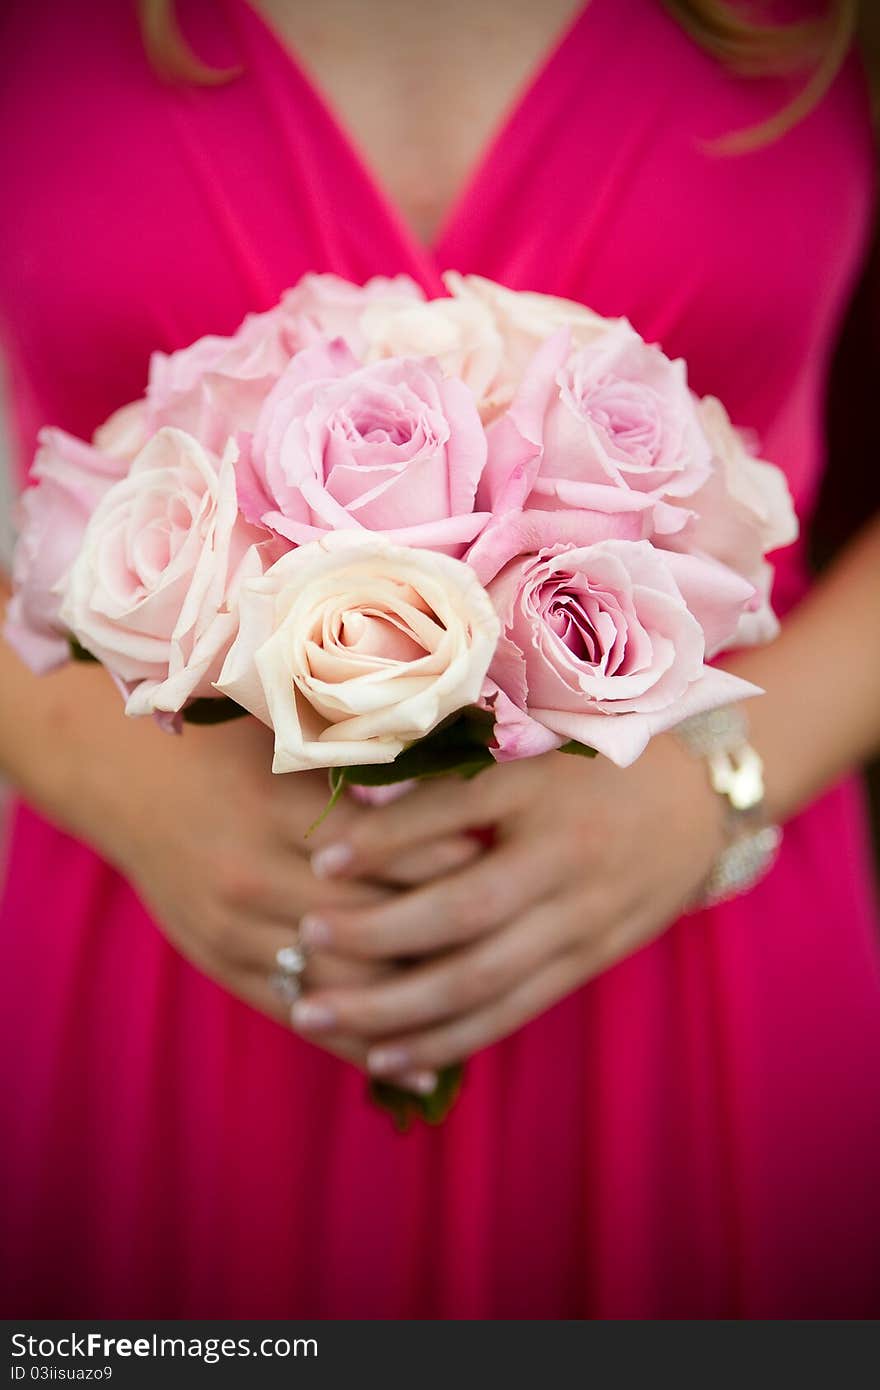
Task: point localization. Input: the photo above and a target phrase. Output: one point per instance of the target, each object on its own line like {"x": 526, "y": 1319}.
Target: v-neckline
{"x": 429, "y": 256}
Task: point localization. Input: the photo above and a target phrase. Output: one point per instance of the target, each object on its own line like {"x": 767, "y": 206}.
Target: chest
{"x": 422, "y": 89}
{"x": 195, "y": 204}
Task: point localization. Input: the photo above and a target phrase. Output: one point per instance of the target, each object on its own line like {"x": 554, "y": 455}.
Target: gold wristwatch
{"x": 736, "y": 773}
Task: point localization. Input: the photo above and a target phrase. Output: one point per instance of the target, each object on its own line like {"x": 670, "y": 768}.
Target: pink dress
{"x": 697, "y": 1132}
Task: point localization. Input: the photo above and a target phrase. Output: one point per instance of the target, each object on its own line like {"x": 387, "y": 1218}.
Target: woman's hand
{"x": 223, "y": 865}
{"x": 589, "y": 863}
{"x": 214, "y": 843}
{"x": 225, "y": 868}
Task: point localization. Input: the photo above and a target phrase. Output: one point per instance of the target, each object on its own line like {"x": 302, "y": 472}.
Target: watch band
{"x": 736, "y": 773}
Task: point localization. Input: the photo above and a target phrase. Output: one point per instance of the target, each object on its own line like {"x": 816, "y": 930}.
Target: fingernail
{"x": 383, "y": 1060}
{"x": 330, "y": 860}
{"x": 311, "y": 1016}
{"x": 422, "y": 1082}
{"x": 314, "y": 931}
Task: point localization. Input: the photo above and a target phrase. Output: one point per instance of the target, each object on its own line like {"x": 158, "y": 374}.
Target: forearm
{"x": 820, "y": 715}
{"x": 64, "y": 742}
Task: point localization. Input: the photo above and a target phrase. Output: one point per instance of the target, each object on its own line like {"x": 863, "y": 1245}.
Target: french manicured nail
{"x": 330, "y": 860}
{"x": 422, "y": 1082}
{"x": 383, "y": 1060}
{"x": 314, "y": 931}
{"x": 311, "y": 1016}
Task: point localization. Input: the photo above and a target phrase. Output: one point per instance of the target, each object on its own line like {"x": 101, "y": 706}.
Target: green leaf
{"x": 459, "y": 745}
{"x": 418, "y": 763}
{"x": 405, "y": 1106}
{"x": 580, "y": 749}
{"x": 207, "y": 711}
{"x": 78, "y": 652}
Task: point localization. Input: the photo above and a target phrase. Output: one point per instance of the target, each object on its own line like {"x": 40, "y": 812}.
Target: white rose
{"x": 459, "y": 333}
{"x": 326, "y": 306}
{"x": 125, "y": 433}
{"x": 524, "y": 321}
{"x": 351, "y": 648}
{"x": 758, "y": 490}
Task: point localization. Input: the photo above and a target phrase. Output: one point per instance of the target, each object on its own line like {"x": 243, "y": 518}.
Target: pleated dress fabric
{"x": 697, "y": 1132}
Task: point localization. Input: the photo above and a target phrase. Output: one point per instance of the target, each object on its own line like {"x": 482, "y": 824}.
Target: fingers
{"x": 459, "y": 907}
{"x": 456, "y": 984}
{"x": 458, "y": 1038}
{"x": 278, "y": 884}
{"x": 252, "y": 981}
{"x": 303, "y": 823}
{"x": 435, "y": 810}
{"x": 252, "y": 944}
{"x": 281, "y": 886}
{"x": 427, "y": 862}
{"x": 301, "y": 802}
{"x": 254, "y": 989}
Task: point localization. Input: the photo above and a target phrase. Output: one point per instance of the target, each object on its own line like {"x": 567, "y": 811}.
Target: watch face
{"x": 739, "y": 776}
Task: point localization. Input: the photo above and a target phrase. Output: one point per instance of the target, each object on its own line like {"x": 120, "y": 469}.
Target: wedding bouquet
{"x": 411, "y": 536}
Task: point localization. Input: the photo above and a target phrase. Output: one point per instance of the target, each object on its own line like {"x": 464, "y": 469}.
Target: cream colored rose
{"x": 755, "y": 488}
{"x": 125, "y": 433}
{"x": 459, "y": 333}
{"x": 524, "y": 321}
{"x": 350, "y": 648}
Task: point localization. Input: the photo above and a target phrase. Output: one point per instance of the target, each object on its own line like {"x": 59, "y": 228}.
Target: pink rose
{"x": 152, "y": 590}
{"x": 216, "y": 386}
{"x": 71, "y": 479}
{"x": 613, "y": 417}
{"x": 351, "y": 648}
{"x": 393, "y": 447}
{"x": 743, "y": 511}
{"x": 524, "y": 533}
{"x": 605, "y": 643}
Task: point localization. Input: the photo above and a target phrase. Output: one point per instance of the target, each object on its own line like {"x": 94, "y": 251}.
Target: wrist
{"x": 72, "y": 756}
{"x": 699, "y": 810}
{"x": 735, "y": 772}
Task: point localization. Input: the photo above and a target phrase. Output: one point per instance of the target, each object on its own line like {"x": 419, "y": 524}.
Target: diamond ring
{"x": 286, "y": 977}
